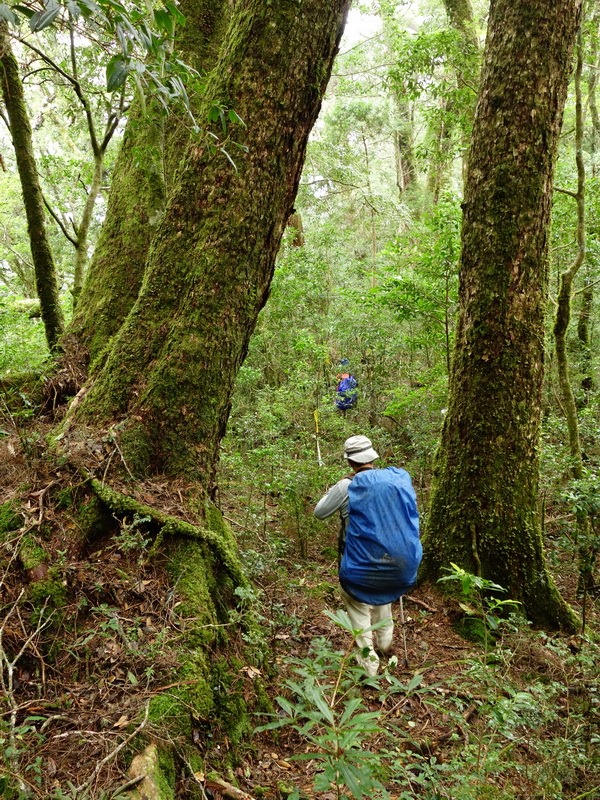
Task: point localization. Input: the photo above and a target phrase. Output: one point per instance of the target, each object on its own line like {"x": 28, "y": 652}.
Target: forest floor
{"x": 447, "y": 722}
{"x": 459, "y": 716}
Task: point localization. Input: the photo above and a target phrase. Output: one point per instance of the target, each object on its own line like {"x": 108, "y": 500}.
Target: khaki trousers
{"x": 362, "y": 617}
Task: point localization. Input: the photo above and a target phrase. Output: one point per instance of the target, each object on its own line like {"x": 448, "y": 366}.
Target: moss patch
{"x": 93, "y": 519}
{"x": 50, "y": 591}
{"x": 10, "y": 519}
{"x": 31, "y": 553}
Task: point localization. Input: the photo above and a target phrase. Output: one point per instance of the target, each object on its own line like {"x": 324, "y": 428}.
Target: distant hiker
{"x": 346, "y": 392}
{"x": 379, "y": 546}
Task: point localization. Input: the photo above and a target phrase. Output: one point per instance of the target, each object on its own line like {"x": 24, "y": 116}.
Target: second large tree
{"x": 485, "y": 509}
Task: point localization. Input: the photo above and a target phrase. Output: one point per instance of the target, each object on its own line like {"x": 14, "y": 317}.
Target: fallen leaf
{"x": 252, "y": 672}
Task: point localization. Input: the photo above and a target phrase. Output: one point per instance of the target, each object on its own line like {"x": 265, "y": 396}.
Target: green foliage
{"x": 22, "y": 341}
{"x": 422, "y": 271}
{"x": 10, "y": 519}
{"x": 141, "y": 36}
{"x": 132, "y": 535}
{"x": 360, "y": 752}
{"x": 480, "y": 604}
{"x": 328, "y": 712}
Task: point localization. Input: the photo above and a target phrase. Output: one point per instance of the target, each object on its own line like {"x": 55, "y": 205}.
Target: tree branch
{"x": 59, "y": 222}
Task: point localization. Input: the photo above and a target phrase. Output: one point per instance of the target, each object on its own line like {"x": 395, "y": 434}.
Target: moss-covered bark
{"x": 20, "y": 129}
{"x": 170, "y": 373}
{"x": 207, "y": 690}
{"x": 484, "y": 508}
{"x": 460, "y": 14}
{"x": 142, "y": 176}
{"x": 135, "y": 206}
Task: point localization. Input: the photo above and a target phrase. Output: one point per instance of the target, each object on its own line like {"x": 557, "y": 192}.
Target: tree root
{"x": 120, "y": 503}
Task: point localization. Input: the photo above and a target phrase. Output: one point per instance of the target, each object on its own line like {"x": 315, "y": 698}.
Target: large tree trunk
{"x": 164, "y": 389}
{"x": 485, "y": 508}
{"x": 143, "y": 175}
{"x": 20, "y": 130}
{"x": 171, "y": 370}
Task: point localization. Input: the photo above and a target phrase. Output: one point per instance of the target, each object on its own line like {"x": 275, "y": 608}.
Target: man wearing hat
{"x": 380, "y": 549}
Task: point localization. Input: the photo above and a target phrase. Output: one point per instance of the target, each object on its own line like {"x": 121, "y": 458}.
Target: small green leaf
{"x": 90, "y": 7}
{"x": 415, "y": 681}
{"x": 42, "y": 19}
{"x": 234, "y": 117}
{"x": 74, "y": 9}
{"x": 164, "y": 21}
{"x": 8, "y": 14}
{"x": 178, "y": 17}
{"x": 117, "y": 70}
{"x": 132, "y": 679}
{"x": 492, "y": 622}
{"x": 26, "y": 12}
{"x": 214, "y": 113}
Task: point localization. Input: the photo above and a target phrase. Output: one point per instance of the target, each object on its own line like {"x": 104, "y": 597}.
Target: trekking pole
{"x": 403, "y": 625}
{"x": 320, "y": 461}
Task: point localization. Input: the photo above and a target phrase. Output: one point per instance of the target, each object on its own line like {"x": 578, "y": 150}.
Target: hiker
{"x": 379, "y": 547}
{"x": 345, "y": 391}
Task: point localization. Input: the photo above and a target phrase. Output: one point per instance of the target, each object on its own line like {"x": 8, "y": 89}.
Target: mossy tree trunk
{"x": 142, "y": 176}
{"x": 135, "y": 206}
{"x": 485, "y": 513}
{"x": 170, "y": 373}
{"x": 20, "y": 130}
{"x": 587, "y": 295}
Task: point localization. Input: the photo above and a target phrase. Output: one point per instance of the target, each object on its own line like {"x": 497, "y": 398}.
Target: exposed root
{"x": 120, "y": 503}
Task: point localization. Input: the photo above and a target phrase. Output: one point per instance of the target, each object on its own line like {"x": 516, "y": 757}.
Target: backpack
{"x": 347, "y": 396}
{"x": 382, "y": 551}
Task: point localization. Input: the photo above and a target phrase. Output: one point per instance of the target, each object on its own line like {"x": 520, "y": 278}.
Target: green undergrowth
{"x": 499, "y": 731}
{"x": 10, "y": 519}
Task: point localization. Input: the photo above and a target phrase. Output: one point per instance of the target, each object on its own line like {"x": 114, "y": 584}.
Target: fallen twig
{"x": 420, "y": 603}
{"x": 85, "y": 787}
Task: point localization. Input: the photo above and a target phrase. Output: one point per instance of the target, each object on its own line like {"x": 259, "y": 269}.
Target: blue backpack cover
{"x": 382, "y": 551}
{"x": 346, "y": 393}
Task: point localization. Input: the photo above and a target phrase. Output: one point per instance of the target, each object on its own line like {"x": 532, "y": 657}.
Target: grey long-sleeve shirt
{"x": 336, "y": 499}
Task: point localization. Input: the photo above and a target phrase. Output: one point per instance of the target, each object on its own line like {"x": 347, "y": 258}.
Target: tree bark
{"x": 20, "y": 130}
{"x": 460, "y": 15}
{"x": 171, "y": 370}
{"x": 406, "y": 171}
{"x": 135, "y": 206}
{"x": 485, "y": 512}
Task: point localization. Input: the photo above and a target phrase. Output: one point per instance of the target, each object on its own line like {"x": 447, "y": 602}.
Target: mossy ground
{"x": 125, "y": 605}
